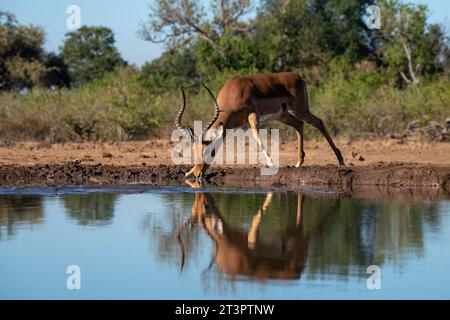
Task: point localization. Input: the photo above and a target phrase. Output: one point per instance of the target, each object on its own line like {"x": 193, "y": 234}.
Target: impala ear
{"x": 213, "y": 134}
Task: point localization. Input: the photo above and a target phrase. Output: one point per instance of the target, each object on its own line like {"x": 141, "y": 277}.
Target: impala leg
{"x": 253, "y": 232}
{"x": 299, "y": 219}
{"x": 190, "y": 172}
{"x": 318, "y": 123}
{"x": 253, "y": 121}
{"x": 293, "y": 122}
{"x": 300, "y": 151}
{"x": 195, "y": 185}
{"x": 254, "y": 227}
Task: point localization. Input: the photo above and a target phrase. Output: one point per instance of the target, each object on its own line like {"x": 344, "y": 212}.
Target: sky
{"x": 124, "y": 17}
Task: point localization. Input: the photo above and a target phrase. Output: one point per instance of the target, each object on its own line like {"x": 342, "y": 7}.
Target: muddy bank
{"x": 353, "y": 179}
{"x": 396, "y": 175}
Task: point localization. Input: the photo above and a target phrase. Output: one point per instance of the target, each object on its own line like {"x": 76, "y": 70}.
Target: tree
{"x": 409, "y": 45}
{"x": 57, "y": 71}
{"x": 179, "y": 22}
{"x": 284, "y": 34}
{"x": 308, "y": 33}
{"x": 199, "y": 44}
{"x": 89, "y": 53}
{"x": 23, "y": 61}
{"x": 170, "y": 71}
{"x": 303, "y": 35}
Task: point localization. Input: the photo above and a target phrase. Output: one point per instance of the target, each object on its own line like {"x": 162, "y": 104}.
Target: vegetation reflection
{"x": 91, "y": 208}
{"x": 19, "y": 210}
{"x": 282, "y": 235}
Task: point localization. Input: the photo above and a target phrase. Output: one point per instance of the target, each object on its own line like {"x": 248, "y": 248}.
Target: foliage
{"x": 366, "y": 103}
{"x": 89, "y": 53}
{"x": 115, "y": 107}
{"x": 361, "y": 82}
{"x": 410, "y": 46}
{"x": 360, "y": 103}
{"x": 23, "y": 61}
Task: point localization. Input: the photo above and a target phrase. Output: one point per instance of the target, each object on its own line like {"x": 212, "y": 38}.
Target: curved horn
{"x": 216, "y": 110}
{"x": 180, "y": 115}
{"x": 180, "y": 229}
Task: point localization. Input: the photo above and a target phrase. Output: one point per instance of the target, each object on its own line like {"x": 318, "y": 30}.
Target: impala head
{"x": 199, "y": 141}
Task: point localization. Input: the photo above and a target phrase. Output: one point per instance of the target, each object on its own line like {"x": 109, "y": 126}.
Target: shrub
{"x": 357, "y": 101}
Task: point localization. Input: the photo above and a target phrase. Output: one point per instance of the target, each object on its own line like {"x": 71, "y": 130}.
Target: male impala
{"x": 253, "y": 99}
{"x": 254, "y": 252}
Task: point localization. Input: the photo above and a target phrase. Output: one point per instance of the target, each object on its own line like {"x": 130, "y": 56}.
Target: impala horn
{"x": 216, "y": 110}
{"x": 186, "y": 131}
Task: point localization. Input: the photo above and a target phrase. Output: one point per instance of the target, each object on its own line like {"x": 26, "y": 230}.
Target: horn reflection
{"x": 257, "y": 250}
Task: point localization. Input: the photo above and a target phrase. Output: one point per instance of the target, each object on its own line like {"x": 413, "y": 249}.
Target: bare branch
{"x": 412, "y": 73}
{"x": 405, "y": 78}
{"x": 178, "y": 22}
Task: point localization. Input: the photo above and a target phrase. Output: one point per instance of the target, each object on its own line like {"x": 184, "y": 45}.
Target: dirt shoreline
{"x": 372, "y": 165}
{"x": 329, "y": 177}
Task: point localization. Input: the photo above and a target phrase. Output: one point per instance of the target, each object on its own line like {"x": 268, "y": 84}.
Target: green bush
{"x": 116, "y": 107}
{"x": 365, "y": 103}
{"x": 357, "y": 101}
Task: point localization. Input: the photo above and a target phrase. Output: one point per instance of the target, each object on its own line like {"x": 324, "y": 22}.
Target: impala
{"x": 253, "y": 251}
{"x": 252, "y": 100}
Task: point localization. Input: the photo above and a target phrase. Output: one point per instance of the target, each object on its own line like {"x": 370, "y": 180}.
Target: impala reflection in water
{"x": 191, "y": 244}
{"x": 255, "y": 252}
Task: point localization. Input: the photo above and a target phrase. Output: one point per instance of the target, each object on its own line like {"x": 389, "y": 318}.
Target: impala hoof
{"x": 299, "y": 164}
